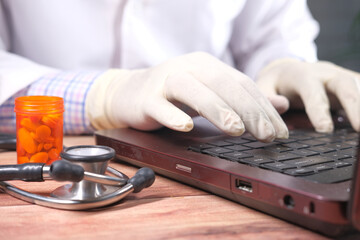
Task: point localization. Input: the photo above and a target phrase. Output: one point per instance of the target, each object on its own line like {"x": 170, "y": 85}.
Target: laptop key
{"x": 321, "y": 167}
{"x": 347, "y": 153}
{"x": 273, "y": 155}
{"x": 313, "y": 142}
{"x": 286, "y": 140}
{"x": 235, "y": 156}
{"x": 220, "y": 143}
{"x": 296, "y": 145}
{"x": 260, "y": 152}
{"x": 336, "y": 155}
{"x": 249, "y": 137}
{"x": 353, "y": 143}
{"x": 322, "y": 149}
{"x": 237, "y": 140}
{"x": 329, "y": 139}
{"x": 305, "y": 152}
{"x": 278, "y": 148}
{"x": 351, "y": 136}
{"x": 300, "y": 171}
{"x": 315, "y": 134}
{"x": 284, "y": 156}
{"x": 301, "y": 137}
{"x": 259, "y": 144}
{"x": 216, "y": 151}
{"x": 256, "y": 161}
{"x": 332, "y": 176}
{"x": 277, "y": 166}
{"x": 304, "y": 162}
{"x": 339, "y": 164}
{"x": 349, "y": 160}
{"x": 339, "y": 145}
{"x": 238, "y": 148}
{"x": 200, "y": 147}
{"x": 265, "y": 154}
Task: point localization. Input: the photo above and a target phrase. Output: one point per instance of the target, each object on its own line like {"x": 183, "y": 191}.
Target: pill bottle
{"x": 39, "y": 128}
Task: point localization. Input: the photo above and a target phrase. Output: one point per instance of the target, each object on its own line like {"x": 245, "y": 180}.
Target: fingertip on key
{"x": 271, "y": 134}
{"x": 185, "y": 126}
{"x": 236, "y": 131}
{"x": 265, "y": 132}
{"x": 283, "y": 133}
{"x": 325, "y": 127}
{"x": 233, "y": 125}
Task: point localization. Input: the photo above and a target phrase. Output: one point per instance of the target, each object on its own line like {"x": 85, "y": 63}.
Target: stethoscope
{"x": 86, "y": 167}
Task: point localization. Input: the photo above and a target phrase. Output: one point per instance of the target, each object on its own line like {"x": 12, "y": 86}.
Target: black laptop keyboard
{"x": 325, "y": 158}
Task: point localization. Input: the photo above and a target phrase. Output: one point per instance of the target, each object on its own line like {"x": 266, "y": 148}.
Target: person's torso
{"x": 83, "y": 34}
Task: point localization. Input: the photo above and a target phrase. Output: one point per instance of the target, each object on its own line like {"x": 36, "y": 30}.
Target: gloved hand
{"x": 316, "y": 86}
{"x": 149, "y": 98}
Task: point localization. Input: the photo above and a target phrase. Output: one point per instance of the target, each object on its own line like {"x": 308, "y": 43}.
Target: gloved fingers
{"x": 271, "y": 112}
{"x": 267, "y": 85}
{"x": 253, "y": 115}
{"x": 255, "y": 118}
{"x": 258, "y": 115}
{"x": 167, "y": 114}
{"x": 317, "y": 106}
{"x": 280, "y": 103}
{"x": 346, "y": 87}
{"x": 240, "y": 92}
{"x": 188, "y": 90}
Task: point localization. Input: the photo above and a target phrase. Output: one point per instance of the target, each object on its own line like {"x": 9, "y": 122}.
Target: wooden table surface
{"x": 166, "y": 210}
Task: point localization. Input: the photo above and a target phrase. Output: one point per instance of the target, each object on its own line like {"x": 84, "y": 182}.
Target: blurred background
{"x": 339, "y": 39}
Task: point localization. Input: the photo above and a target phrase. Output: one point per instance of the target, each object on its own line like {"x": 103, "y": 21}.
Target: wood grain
{"x": 166, "y": 210}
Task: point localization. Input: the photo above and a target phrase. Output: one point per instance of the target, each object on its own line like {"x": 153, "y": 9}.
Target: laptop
{"x": 311, "y": 179}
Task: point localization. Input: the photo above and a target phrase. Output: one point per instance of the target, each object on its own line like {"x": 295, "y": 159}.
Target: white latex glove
{"x": 144, "y": 99}
{"x": 315, "y": 86}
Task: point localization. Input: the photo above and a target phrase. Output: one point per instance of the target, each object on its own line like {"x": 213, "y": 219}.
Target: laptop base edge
{"x": 328, "y": 229}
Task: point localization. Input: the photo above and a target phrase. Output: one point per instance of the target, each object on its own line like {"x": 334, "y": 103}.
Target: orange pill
{"x": 47, "y": 146}
{"x": 35, "y": 119}
{"x": 26, "y": 141}
{"x": 40, "y": 147}
{"x": 49, "y": 140}
{"x": 53, "y": 154}
{"x": 43, "y": 132}
{"x": 33, "y": 135}
{"x": 40, "y": 157}
{"x": 28, "y": 124}
{"x": 50, "y": 121}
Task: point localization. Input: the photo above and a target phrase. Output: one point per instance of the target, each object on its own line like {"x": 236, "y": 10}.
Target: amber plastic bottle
{"x": 39, "y": 128}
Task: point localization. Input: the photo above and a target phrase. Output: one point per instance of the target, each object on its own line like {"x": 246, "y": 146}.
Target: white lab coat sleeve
{"x": 15, "y": 72}
{"x": 267, "y": 30}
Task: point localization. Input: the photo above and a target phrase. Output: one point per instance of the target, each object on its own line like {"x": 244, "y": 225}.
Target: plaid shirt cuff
{"x": 72, "y": 86}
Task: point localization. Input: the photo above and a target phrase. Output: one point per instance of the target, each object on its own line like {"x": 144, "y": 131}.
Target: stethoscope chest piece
{"x": 86, "y": 166}
{"x": 93, "y": 159}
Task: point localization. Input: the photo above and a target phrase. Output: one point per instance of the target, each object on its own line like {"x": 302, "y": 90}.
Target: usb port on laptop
{"x": 243, "y": 185}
